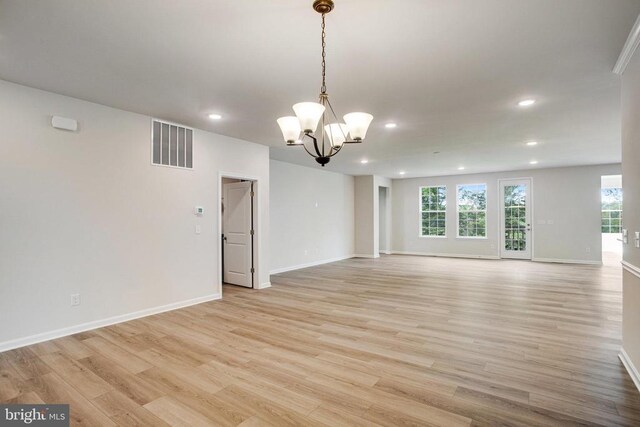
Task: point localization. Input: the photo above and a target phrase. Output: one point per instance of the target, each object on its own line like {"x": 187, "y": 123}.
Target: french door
{"x": 515, "y": 218}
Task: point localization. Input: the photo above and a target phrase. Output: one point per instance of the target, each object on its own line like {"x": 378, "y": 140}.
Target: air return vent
{"x": 171, "y": 145}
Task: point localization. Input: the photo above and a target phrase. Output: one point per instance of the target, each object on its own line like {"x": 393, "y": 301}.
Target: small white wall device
{"x": 64, "y": 123}
{"x": 199, "y": 211}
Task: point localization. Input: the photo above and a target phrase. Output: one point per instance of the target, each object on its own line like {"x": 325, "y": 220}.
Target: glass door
{"x": 515, "y": 221}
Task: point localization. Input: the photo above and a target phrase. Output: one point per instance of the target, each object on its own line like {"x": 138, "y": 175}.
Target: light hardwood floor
{"x": 395, "y": 341}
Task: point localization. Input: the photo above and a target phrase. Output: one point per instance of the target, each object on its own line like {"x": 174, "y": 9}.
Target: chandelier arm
{"x": 334, "y": 151}
{"x": 315, "y": 145}
{"x": 307, "y": 150}
{"x": 336, "y": 118}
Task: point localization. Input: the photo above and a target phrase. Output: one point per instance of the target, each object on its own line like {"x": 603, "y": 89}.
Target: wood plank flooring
{"x": 396, "y": 341}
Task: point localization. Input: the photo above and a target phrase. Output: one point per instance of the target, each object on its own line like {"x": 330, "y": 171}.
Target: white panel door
{"x": 237, "y": 234}
{"x": 515, "y": 218}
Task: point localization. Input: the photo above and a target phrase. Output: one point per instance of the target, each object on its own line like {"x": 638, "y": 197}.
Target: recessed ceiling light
{"x": 215, "y": 116}
{"x": 364, "y": 161}
{"x": 527, "y": 102}
{"x": 402, "y": 172}
{"x": 460, "y": 168}
{"x": 390, "y": 125}
{"x": 532, "y": 143}
{"x": 533, "y": 162}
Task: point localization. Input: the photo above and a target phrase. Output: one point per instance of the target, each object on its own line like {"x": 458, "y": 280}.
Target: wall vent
{"x": 171, "y": 145}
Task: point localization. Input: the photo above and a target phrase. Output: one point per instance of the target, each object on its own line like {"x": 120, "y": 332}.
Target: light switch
{"x": 637, "y": 239}
{"x": 198, "y": 229}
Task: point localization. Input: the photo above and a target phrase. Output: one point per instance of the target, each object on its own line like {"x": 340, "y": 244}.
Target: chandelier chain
{"x": 323, "y": 89}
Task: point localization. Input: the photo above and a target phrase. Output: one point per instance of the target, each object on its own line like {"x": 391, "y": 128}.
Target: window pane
{"x": 433, "y": 207}
{"x": 472, "y": 205}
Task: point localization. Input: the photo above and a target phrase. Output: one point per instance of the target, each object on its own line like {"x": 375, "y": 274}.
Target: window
{"x": 433, "y": 208}
{"x": 171, "y": 145}
{"x": 611, "y": 210}
{"x": 472, "y": 210}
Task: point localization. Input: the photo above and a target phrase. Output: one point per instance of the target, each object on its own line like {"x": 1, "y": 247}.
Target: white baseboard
{"x": 59, "y": 333}
{"x": 264, "y": 285}
{"x": 309, "y": 264}
{"x": 366, "y": 256}
{"x": 443, "y": 255}
{"x": 567, "y": 261}
{"x": 386, "y": 252}
{"x": 631, "y": 369}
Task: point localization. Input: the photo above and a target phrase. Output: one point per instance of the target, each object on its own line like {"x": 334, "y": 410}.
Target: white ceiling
{"x": 449, "y": 72}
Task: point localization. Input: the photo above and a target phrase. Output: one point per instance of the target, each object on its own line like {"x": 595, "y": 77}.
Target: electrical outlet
{"x": 75, "y": 300}
{"x": 588, "y": 250}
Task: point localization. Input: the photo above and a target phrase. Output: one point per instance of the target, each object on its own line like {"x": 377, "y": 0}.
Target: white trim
{"x": 59, "y": 333}
{"x": 309, "y": 264}
{"x": 633, "y": 41}
{"x": 631, "y": 369}
{"x": 631, "y": 268}
{"x": 446, "y": 255}
{"x": 365, "y": 256}
{"x": 264, "y": 285}
{"x": 567, "y": 261}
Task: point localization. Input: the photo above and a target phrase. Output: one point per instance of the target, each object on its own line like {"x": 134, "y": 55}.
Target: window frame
{"x": 420, "y": 212}
{"x": 486, "y": 216}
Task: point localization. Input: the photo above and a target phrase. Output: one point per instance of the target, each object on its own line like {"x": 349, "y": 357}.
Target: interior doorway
{"x": 611, "y": 219}
{"x": 384, "y": 246}
{"x": 238, "y": 230}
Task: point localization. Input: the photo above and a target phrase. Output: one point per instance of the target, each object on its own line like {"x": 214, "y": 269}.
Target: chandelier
{"x": 301, "y": 129}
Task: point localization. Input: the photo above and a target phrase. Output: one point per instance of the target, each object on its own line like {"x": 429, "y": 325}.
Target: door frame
{"x": 256, "y": 225}
{"x": 501, "y": 216}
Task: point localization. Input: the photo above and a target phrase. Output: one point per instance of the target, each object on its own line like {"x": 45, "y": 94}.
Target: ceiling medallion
{"x": 301, "y": 128}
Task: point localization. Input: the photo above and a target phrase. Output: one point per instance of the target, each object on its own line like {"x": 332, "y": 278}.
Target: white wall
{"x": 367, "y": 210}
{"x": 87, "y": 213}
{"x": 631, "y": 214}
{"x": 312, "y": 216}
{"x": 569, "y": 197}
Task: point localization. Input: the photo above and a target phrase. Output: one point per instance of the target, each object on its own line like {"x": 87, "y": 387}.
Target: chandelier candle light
{"x": 333, "y": 134}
